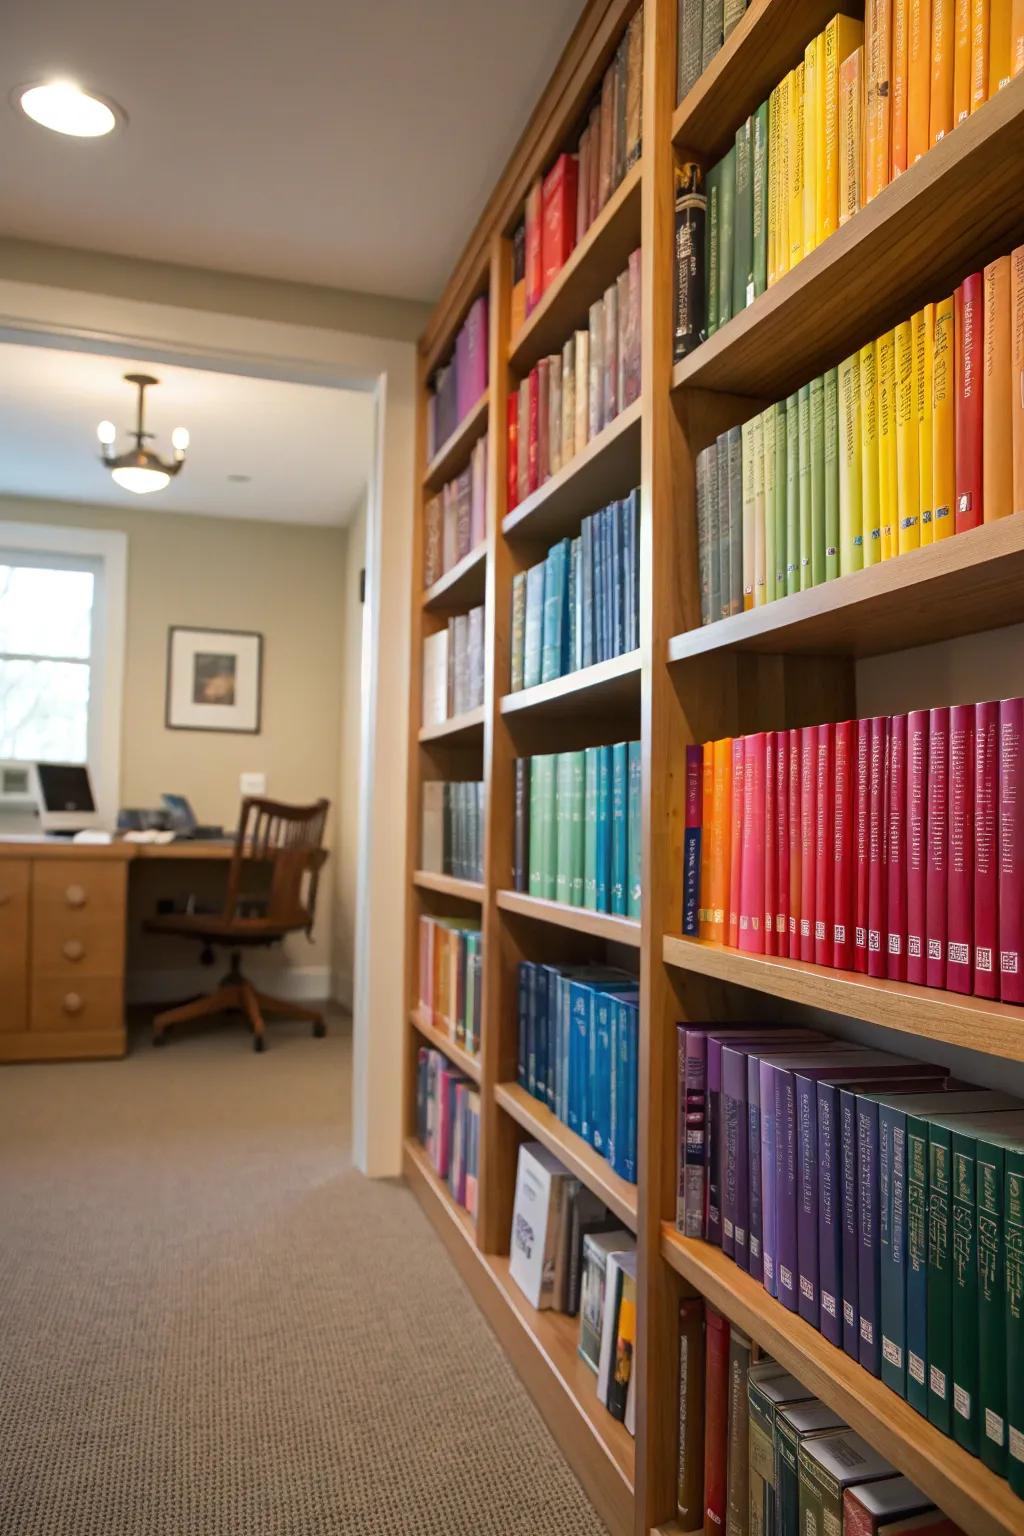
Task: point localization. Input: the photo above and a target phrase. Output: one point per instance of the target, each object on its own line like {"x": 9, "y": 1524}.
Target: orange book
{"x": 721, "y": 840}
{"x": 962, "y": 60}
{"x": 878, "y": 57}
{"x": 919, "y": 71}
{"x": 707, "y": 816}
{"x": 1017, "y": 37}
{"x": 1017, "y": 373}
{"x": 1000, "y": 66}
{"x": 940, "y": 104}
{"x": 899, "y": 86}
{"x": 980, "y": 44}
{"x": 997, "y": 449}
{"x": 944, "y": 420}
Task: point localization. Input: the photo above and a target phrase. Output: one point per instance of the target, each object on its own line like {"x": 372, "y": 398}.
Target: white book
{"x": 435, "y": 677}
{"x": 535, "y": 1223}
{"x": 582, "y": 390}
{"x": 432, "y": 827}
{"x": 617, "y": 1262}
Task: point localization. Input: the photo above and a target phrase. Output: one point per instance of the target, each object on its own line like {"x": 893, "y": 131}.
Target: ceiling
{"x": 308, "y": 450}
{"x": 345, "y": 144}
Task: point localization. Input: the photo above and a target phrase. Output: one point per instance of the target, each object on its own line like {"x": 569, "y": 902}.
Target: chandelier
{"x": 140, "y": 469}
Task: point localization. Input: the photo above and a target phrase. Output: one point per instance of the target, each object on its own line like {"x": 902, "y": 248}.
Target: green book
{"x": 518, "y": 630}
{"x": 620, "y": 834}
{"x": 768, "y": 419}
{"x": 634, "y": 830}
{"x": 604, "y": 828}
{"x": 747, "y": 511}
{"x": 792, "y": 494}
{"x": 816, "y": 419}
{"x": 917, "y": 1265}
{"x": 563, "y": 826}
{"x": 793, "y": 1426}
{"x": 770, "y": 1389}
{"x": 711, "y": 488}
{"x": 536, "y": 879}
{"x": 713, "y": 187}
{"x": 831, "y": 474}
{"x": 990, "y": 1160}
{"x": 743, "y": 220}
{"x": 713, "y": 21}
{"x": 533, "y": 624}
{"x": 577, "y": 795}
{"x": 547, "y": 811}
{"x": 726, "y": 236}
{"x": 780, "y": 498}
{"x": 851, "y": 515}
{"x": 940, "y": 1277}
{"x": 806, "y": 533}
{"x": 590, "y": 829}
{"x": 1013, "y": 1241}
{"x": 722, "y": 540}
{"x": 829, "y": 1464}
{"x": 759, "y": 176}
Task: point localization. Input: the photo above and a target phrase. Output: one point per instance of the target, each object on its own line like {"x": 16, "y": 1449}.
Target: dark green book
{"x": 634, "y": 841}
{"x": 940, "y": 1276}
{"x": 759, "y": 176}
{"x": 713, "y": 188}
{"x": 829, "y": 1464}
{"x": 735, "y": 440}
{"x": 1013, "y": 1240}
{"x": 780, "y": 498}
{"x": 722, "y": 541}
{"x": 806, "y": 535}
{"x": 535, "y": 879}
{"x": 712, "y": 30}
{"x": 691, "y": 42}
{"x": 769, "y": 1390}
{"x": 792, "y": 494}
{"x": 743, "y": 219}
{"x": 816, "y": 417}
{"x": 794, "y": 1426}
{"x": 831, "y": 474}
{"x": 917, "y": 1267}
{"x": 990, "y": 1162}
{"x": 726, "y": 236}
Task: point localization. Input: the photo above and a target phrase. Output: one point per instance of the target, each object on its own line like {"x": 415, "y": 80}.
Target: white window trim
{"x": 110, "y": 548}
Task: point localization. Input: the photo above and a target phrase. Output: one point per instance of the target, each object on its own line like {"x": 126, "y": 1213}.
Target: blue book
{"x": 541, "y": 1033}
{"x": 633, "y": 532}
{"x": 580, "y": 997}
{"x": 534, "y": 624}
{"x": 621, "y": 1151}
{"x": 631, "y": 1029}
{"x": 618, "y": 578}
{"x": 848, "y": 1205}
{"x": 602, "y": 1060}
{"x": 604, "y": 828}
{"x": 755, "y": 1254}
{"x": 620, "y": 833}
{"x": 548, "y": 987}
{"x": 569, "y": 662}
{"x": 556, "y": 612}
{"x": 587, "y": 583}
{"x": 628, "y": 561}
{"x": 608, "y": 579}
{"x": 522, "y": 1025}
{"x": 634, "y": 812}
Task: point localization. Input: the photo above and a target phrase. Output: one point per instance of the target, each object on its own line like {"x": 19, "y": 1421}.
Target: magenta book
{"x": 986, "y": 849}
{"x": 861, "y": 845}
{"x": 795, "y": 845}
{"x": 808, "y": 838}
{"x": 1011, "y": 865}
{"x": 770, "y": 843}
{"x": 781, "y": 897}
{"x": 960, "y": 844}
{"x": 732, "y": 932}
{"x": 877, "y": 808}
{"x": 917, "y": 843}
{"x": 824, "y": 857}
{"x": 751, "y": 936}
{"x": 938, "y": 847}
{"x": 896, "y": 849}
{"x": 842, "y": 845}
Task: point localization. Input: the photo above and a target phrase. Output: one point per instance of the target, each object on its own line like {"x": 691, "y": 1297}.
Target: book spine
{"x": 691, "y": 840}
{"x": 807, "y": 1198}
{"x": 1013, "y": 1239}
{"x": 690, "y": 1480}
{"x": 849, "y": 1200}
{"x": 917, "y": 1265}
{"x": 808, "y": 839}
{"x": 986, "y": 849}
{"x": 716, "y": 1142}
{"x": 786, "y": 1258}
{"x": 916, "y": 851}
{"x": 943, "y": 423}
{"x": 804, "y": 476}
{"x": 816, "y": 424}
{"x": 521, "y": 871}
{"x": 634, "y": 848}
{"x": 896, "y": 852}
{"x": 755, "y": 1247}
{"x": 924, "y": 355}
{"x": 964, "y": 1303}
{"x": 752, "y": 871}
{"x": 997, "y": 393}
{"x": 795, "y": 841}
{"x": 936, "y": 895}
{"x": 830, "y": 1230}
{"x": 862, "y": 846}
{"x": 868, "y": 1253}
{"x": 969, "y": 403}
{"x": 759, "y": 274}
{"x": 619, "y": 834}
{"x": 842, "y": 847}
{"x": 991, "y": 1306}
{"x": 696, "y": 1140}
{"x": 981, "y": 40}
{"x": 734, "y": 1149}
{"x": 792, "y": 495}
{"x": 892, "y": 1136}
{"x": 735, "y": 465}
{"x": 1017, "y": 337}
{"x": 707, "y": 816}
{"x": 781, "y": 894}
{"x": 831, "y": 474}
{"x": 769, "y": 842}
{"x": 940, "y": 102}
{"x": 726, "y": 235}
{"x": 766, "y": 1095}
{"x": 899, "y": 87}
{"x": 869, "y": 470}
{"x": 690, "y": 235}
{"x": 824, "y": 845}
{"x": 747, "y": 438}
{"x": 960, "y": 883}
{"x": 940, "y": 1315}
{"x": 1011, "y": 851}
{"x": 721, "y": 839}
{"x": 771, "y": 542}
{"x": 743, "y": 233}
{"x": 737, "y": 787}
{"x": 888, "y": 469}
{"x": 908, "y": 485}
{"x": 878, "y": 804}
{"x": 716, "y": 1422}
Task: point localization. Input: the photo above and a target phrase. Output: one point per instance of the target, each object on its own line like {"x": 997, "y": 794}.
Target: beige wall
{"x": 351, "y": 701}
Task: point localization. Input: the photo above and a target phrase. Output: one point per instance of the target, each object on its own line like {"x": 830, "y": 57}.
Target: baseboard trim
{"x": 294, "y": 983}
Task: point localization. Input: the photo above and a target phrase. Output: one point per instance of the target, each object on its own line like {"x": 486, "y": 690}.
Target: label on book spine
{"x": 917, "y": 843}
{"x": 986, "y": 850}
{"x": 896, "y": 900}
{"x": 960, "y": 882}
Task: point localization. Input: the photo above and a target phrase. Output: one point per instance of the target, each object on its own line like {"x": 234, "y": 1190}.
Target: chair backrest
{"x": 276, "y": 863}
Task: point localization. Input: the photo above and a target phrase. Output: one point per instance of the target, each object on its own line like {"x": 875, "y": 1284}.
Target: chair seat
{"x": 211, "y": 929}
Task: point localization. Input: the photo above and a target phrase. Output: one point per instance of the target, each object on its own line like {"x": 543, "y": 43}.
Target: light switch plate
{"x": 253, "y": 783}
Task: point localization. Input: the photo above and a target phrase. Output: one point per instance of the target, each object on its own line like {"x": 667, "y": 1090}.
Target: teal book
{"x": 556, "y": 612}
{"x": 759, "y": 253}
{"x": 547, "y": 811}
{"x": 987, "y": 1147}
{"x": 816, "y": 417}
{"x": 780, "y": 498}
{"x": 806, "y": 535}
{"x": 590, "y": 829}
{"x": 604, "y": 828}
{"x": 792, "y": 494}
{"x": 619, "y": 829}
{"x": 917, "y": 1265}
{"x": 634, "y": 812}
{"x": 768, "y": 419}
{"x": 940, "y": 1277}
{"x": 713, "y": 186}
{"x": 534, "y": 624}
{"x": 576, "y": 822}
{"x": 1013, "y": 1240}
{"x": 892, "y": 1243}
{"x": 563, "y": 827}
{"x": 832, "y": 474}
{"x": 743, "y": 220}
{"x": 726, "y": 235}
{"x": 722, "y": 540}
{"x": 536, "y": 880}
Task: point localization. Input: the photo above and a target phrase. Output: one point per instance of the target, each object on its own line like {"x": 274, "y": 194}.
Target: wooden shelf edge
{"x": 468, "y": 724}
{"x": 995, "y": 1029}
{"x": 456, "y": 1054}
{"x": 961, "y": 1486}
{"x": 445, "y": 588}
{"x": 586, "y": 681}
{"x": 517, "y": 521}
{"x": 448, "y": 885}
{"x": 453, "y": 453}
{"x": 580, "y": 1159}
{"x": 600, "y": 925}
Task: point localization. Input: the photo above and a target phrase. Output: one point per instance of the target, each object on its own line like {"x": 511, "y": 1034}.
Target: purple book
{"x": 472, "y": 366}
{"x": 755, "y": 1251}
{"x": 848, "y": 1206}
{"x": 869, "y": 1283}
{"x": 463, "y": 399}
{"x": 692, "y": 1058}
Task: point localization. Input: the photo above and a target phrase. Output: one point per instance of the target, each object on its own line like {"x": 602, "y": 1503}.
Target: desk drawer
{"x": 14, "y": 901}
{"x": 78, "y": 919}
{"x": 94, "y": 1003}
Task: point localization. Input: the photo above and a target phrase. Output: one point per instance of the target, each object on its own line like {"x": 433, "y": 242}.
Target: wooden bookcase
{"x": 787, "y": 664}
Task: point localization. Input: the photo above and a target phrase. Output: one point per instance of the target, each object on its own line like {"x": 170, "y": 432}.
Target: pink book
{"x": 732, "y": 933}
{"x": 751, "y": 930}
{"x": 917, "y": 843}
{"x": 861, "y": 846}
{"x": 938, "y": 847}
{"x": 896, "y": 859}
{"x": 824, "y": 853}
{"x": 1011, "y": 863}
{"x": 842, "y": 844}
{"x": 986, "y": 848}
{"x": 960, "y": 876}
{"x": 877, "y": 808}
{"x": 475, "y": 357}
{"x": 795, "y": 845}
{"x": 781, "y": 897}
{"x": 770, "y": 843}
{"x": 808, "y": 838}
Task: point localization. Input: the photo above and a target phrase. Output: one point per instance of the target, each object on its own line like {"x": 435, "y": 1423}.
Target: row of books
{"x": 581, "y": 604}
{"x": 760, "y": 1454}
{"x": 577, "y": 1043}
{"x": 892, "y": 846}
{"x": 448, "y": 1125}
{"x": 703, "y": 27}
{"x": 571, "y": 396}
{"x": 451, "y": 829}
{"x": 451, "y": 977}
{"x": 568, "y": 1254}
{"x": 455, "y": 519}
{"x": 917, "y": 436}
{"x": 458, "y": 385}
{"x": 453, "y": 667}
{"x": 561, "y": 206}
{"x": 577, "y": 828}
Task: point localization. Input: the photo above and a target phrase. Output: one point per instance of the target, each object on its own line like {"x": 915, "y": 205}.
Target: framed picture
{"x": 214, "y": 679}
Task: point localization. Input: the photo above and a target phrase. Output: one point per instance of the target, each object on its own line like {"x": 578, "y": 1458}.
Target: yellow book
{"x": 773, "y": 185}
{"x": 908, "y": 490}
{"x": 1000, "y": 62}
{"x": 888, "y": 491}
{"x": 980, "y": 49}
{"x": 795, "y": 185}
{"x": 851, "y": 522}
{"x": 877, "y": 95}
{"x": 842, "y": 37}
{"x": 813, "y": 86}
{"x": 924, "y": 343}
{"x": 869, "y": 454}
{"x": 944, "y": 422}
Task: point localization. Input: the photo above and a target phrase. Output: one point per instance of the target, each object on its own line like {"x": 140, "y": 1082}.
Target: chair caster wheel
{"x": 319, "y": 1029}
{"x": 257, "y": 1043}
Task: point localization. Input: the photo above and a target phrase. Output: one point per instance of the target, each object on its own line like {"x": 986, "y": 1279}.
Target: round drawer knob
{"x": 74, "y": 949}
{"x": 73, "y": 1003}
{"x": 75, "y": 896}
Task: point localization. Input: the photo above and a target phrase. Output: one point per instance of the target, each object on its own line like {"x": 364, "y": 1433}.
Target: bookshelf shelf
{"x": 448, "y": 885}
{"x": 996, "y": 1029}
{"x": 971, "y": 1495}
{"x": 460, "y": 587}
{"x": 971, "y": 582}
{"x": 442, "y": 1042}
{"x": 599, "y": 925}
{"x": 580, "y": 1159}
{"x": 607, "y": 468}
{"x": 460, "y": 728}
{"x": 595, "y": 263}
{"x": 915, "y": 241}
{"x": 608, "y": 686}
{"x": 453, "y": 454}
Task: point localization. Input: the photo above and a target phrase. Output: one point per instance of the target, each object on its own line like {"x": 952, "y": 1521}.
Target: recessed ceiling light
{"x": 66, "y": 108}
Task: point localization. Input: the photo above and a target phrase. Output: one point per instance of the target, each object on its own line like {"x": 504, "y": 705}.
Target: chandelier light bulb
{"x": 180, "y": 439}
{"x": 107, "y": 433}
{"x": 141, "y": 481}
{"x": 141, "y": 470}
{"x": 64, "y": 107}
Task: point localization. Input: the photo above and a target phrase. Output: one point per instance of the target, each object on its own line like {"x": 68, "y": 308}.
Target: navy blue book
{"x": 618, "y": 577}
{"x": 523, "y": 1026}
{"x": 633, "y": 638}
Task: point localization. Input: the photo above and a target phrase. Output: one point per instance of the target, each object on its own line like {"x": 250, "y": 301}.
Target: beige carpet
{"x": 211, "y": 1326}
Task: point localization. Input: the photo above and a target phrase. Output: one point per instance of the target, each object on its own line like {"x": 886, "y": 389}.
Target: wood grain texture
{"x": 461, "y": 587}
{"x": 606, "y": 687}
{"x": 449, "y": 885}
{"x": 445, "y": 1044}
{"x": 453, "y": 454}
{"x": 468, "y": 726}
{"x": 599, "y": 925}
{"x": 15, "y": 878}
{"x": 606, "y": 469}
{"x": 63, "y": 1045}
{"x": 78, "y": 920}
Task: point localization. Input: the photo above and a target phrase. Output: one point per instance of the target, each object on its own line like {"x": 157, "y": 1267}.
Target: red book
{"x": 512, "y": 466}
{"x": 960, "y": 841}
{"x": 751, "y": 935}
{"x": 533, "y": 441}
{"x": 732, "y": 932}
{"x": 795, "y": 845}
{"x": 716, "y": 1421}
{"x": 781, "y": 897}
{"x": 970, "y": 350}
{"x": 1011, "y": 849}
{"x": 808, "y": 838}
{"x": 861, "y": 846}
{"x": 534, "y": 271}
{"x": 770, "y": 842}
{"x": 824, "y": 852}
{"x": 986, "y": 849}
{"x": 878, "y": 803}
{"x": 559, "y": 216}
{"x": 842, "y": 844}
{"x": 938, "y": 847}
{"x": 917, "y": 843}
{"x": 896, "y": 861}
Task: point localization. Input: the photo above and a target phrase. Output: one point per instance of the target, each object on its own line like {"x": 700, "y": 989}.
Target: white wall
{"x": 351, "y": 705}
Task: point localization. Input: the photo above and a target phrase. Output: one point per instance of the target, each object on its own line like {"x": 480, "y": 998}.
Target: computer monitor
{"x": 19, "y": 799}
{"x": 66, "y": 801}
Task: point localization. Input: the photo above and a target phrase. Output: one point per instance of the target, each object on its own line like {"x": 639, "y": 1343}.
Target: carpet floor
{"x": 210, "y": 1325}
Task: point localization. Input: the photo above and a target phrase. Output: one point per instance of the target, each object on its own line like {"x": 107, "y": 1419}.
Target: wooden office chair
{"x": 271, "y": 892}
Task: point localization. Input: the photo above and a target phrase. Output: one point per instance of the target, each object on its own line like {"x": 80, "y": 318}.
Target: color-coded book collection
{"x": 453, "y": 667}
{"x": 702, "y": 29}
{"x": 455, "y": 519}
{"x": 451, "y": 976}
{"x": 918, "y": 435}
{"x": 457, "y": 386}
{"x": 448, "y": 1125}
{"x": 577, "y": 1052}
{"x": 451, "y": 830}
{"x": 568, "y": 1254}
{"x": 890, "y": 846}
{"x": 570, "y": 397}
{"x": 581, "y": 604}
{"x": 577, "y": 828}
{"x": 561, "y": 206}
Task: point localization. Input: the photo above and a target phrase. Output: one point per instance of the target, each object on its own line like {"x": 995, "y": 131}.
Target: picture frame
{"x": 214, "y": 680}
